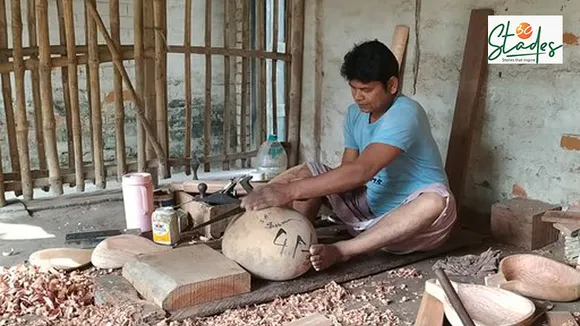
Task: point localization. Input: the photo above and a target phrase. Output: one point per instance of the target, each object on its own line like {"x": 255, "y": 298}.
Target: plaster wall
{"x": 527, "y": 107}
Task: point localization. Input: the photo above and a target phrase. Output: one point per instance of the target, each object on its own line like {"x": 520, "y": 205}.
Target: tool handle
{"x": 246, "y": 185}
{"x": 453, "y": 297}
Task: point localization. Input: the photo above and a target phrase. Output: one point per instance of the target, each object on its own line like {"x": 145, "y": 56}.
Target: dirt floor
{"x": 393, "y": 300}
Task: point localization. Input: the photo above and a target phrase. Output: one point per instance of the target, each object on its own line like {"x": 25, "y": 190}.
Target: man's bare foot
{"x": 323, "y": 256}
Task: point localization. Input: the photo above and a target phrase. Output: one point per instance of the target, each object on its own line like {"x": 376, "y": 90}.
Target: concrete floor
{"x": 44, "y": 223}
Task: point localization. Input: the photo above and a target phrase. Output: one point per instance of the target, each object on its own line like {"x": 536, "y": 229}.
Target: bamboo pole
{"x": 188, "y": 99}
{"x": 88, "y": 88}
{"x": 245, "y": 79}
{"x": 73, "y": 85}
{"x": 160, "y": 74}
{"x": 47, "y": 101}
{"x": 140, "y": 79}
{"x": 21, "y": 120}
{"x": 288, "y": 41}
{"x": 318, "y": 74}
{"x": 138, "y": 102}
{"x": 34, "y": 79}
{"x": 208, "y": 81}
{"x": 2, "y": 190}
{"x": 7, "y": 93}
{"x": 296, "y": 80}
{"x": 65, "y": 88}
{"x": 227, "y": 91}
{"x": 262, "y": 111}
{"x": 118, "y": 84}
{"x": 96, "y": 116}
{"x": 275, "y": 68}
{"x": 149, "y": 44}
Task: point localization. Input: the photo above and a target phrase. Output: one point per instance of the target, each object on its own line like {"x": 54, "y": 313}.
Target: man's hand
{"x": 270, "y": 195}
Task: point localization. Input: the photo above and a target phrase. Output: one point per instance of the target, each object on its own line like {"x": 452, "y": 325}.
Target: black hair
{"x": 370, "y": 61}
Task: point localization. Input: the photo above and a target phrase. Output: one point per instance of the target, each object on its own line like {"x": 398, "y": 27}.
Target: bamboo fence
{"x": 38, "y": 59}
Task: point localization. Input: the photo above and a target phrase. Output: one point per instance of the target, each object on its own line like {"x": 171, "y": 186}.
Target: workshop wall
{"x": 527, "y": 108}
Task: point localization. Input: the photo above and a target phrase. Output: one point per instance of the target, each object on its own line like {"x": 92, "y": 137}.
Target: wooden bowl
{"x": 487, "y": 306}
{"x": 540, "y": 277}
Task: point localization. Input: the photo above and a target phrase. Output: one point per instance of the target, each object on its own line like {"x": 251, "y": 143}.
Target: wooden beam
{"x": 468, "y": 106}
{"x": 139, "y": 79}
{"x": 297, "y": 48}
{"x": 115, "y": 18}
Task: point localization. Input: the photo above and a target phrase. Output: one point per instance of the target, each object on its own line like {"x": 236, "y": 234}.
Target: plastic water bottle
{"x": 271, "y": 159}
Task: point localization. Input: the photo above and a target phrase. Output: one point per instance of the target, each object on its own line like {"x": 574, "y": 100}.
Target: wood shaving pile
{"x": 405, "y": 273}
{"x": 27, "y": 291}
{"x": 330, "y": 301}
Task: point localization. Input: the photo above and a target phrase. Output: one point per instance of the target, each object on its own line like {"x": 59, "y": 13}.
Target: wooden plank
{"x": 21, "y": 118}
{"x": 168, "y": 279}
{"x": 188, "y": 90}
{"x": 358, "y": 267}
{"x": 7, "y": 92}
{"x": 139, "y": 79}
{"x": 74, "y": 94}
{"x": 65, "y": 87}
{"x": 296, "y": 48}
{"x": 430, "y": 312}
{"x": 316, "y": 319}
{"x": 570, "y": 217}
{"x": 118, "y": 85}
{"x": 48, "y": 119}
{"x": 208, "y": 80}
{"x": 35, "y": 83}
{"x": 161, "y": 75}
{"x": 467, "y": 105}
{"x": 570, "y": 142}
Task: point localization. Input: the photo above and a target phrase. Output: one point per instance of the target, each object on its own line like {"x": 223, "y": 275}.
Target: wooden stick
{"x": 140, "y": 80}
{"x": 245, "y": 79}
{"x": 138, "y": 102}
{"x": 318, "y": 74}
{"x": 65, "y": 88}
{"x": 274, "y": 69}
{"x": 96, "y": 116}
{"x": 2, "y": 190}
{"x": 21, "y": 120}
{"x": 150, "y": 98}
{"x": 160, "y": 75}
{"x": 188, "y": 99}
{"x": 453, "y": 297}
{"x": 296, "y": 80}
{"x": 88, "y": 88}
{"x": 73, "y": 84}
{"x": 7, "y": 93}
{"x": 399, "y": 46}
{"x": 34, "y": 79}
{"x": 46, "y": 93}
{"x": 208, "y": 80}
{"x": 227, "y": 91}
{"x": 262, "y": 111}
{"x": 118, "y": 84}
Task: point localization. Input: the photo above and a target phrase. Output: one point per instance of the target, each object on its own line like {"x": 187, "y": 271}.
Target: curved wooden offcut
{"x": 486, "y": 306}
{"x": 540, "y": 277}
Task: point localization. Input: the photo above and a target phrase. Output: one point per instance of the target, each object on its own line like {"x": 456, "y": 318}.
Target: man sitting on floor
{"x": 391, "y": 189}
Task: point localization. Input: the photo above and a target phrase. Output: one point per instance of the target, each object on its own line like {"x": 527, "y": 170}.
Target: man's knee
{"x": 433, "y": 203}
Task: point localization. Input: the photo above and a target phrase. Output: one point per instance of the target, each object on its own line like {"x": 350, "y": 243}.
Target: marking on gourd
{"x": 283, "y": 245}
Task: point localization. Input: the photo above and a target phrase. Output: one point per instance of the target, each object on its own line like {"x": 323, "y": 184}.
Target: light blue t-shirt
{"x": 405, "y": 125}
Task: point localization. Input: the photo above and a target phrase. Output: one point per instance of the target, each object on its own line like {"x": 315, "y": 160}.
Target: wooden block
{"x": 495, "y": 280}
{"x": 570, "y": 142}
{"x": 518, "y": 222}
{"x": 430, "y": 312}
{"x": 116, "y": 291}
{"x": 556, "y": 318}
{"x": 559, "y": 216}
{"x": 200, "y": 212}
{"x": 568, "y": 230}
{"x": 312, "y": 320}
{"x": 186, "y": 276}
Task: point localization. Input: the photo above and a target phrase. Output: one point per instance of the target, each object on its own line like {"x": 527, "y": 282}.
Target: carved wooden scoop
{"x": 487, "y": 306}
{"x": 540, "y": 277}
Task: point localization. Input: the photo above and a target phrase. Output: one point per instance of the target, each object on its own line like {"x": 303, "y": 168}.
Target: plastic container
{"x": 138, "y": 200}
{"x": 271, "y": 159}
